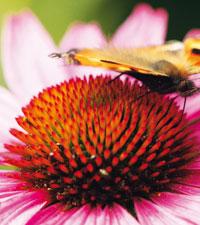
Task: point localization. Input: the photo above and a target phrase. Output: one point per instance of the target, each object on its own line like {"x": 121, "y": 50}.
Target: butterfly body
{"x": 163, "y": 69}
{"x": 166, "y": 84}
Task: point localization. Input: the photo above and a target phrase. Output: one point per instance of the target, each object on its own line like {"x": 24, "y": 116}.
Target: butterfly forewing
{"x": 164, "y": 68}
{"x": 141, "y": 60}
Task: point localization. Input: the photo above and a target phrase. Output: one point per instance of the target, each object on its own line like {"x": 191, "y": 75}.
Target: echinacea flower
{"x": 87, "y": 152}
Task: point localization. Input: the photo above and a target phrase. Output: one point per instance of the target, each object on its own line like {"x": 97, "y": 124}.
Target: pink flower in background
{"x": 68, "y": 142}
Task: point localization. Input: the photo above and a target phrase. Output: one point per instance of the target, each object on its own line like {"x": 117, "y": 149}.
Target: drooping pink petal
{"x": 20, "y": 208}
{"x": 8, "y": 186}
{"x": 194, "y": 33}
{"x": 149, "y": 213}
{"x": 102, "y": 218}
{"x": 58, "y": 214}
{"x": 145, "y": 26}
{"x": 17, "y": 207}
{"x": 114, "y": 215}
{"x": 184, "y": 206}
{"x": 85, "y": 215}
{"x": 122, "y": 215}
{"x": 54, "y": 214}
{"x": 25, "y": 49}
{"x": 83, "y": 35}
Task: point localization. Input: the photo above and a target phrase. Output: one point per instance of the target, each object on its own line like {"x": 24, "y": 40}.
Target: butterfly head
{"x": 187, "y": 87}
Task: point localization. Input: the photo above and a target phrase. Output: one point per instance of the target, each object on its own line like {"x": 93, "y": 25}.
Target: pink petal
{"x": 57, "y": 214}
{"x": 122, "y": 215}
{"x": 149, "y": 213}
{"x": 192, "y": 104}
{"x": 145, "y": 26}
{"x": 194, "y": 33}
{"x": 85, "y": 215}
{"x": 20, "y": 208}
{"x": 9, "y": 109}
{"x": 184, "y": 206}
{"x": 8, "y": 185}
{"x": 114, "y": 215}
{"x": 194, "y": 115}
{"x": 79, "y": 217}
{"x": 17, "y": 207}
{"x": 26, "y": 46}
{"x": 189, "y": 186}
{"x": 83, "y": 35}
{"x": 103, "y": 218}
{"x": 54, "y": 214}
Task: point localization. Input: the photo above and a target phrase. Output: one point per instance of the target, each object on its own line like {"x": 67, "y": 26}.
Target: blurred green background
{"x": 57, "y": 15}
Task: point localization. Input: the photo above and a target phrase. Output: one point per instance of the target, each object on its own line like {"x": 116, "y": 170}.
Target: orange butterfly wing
{"x": 174, "y": 58}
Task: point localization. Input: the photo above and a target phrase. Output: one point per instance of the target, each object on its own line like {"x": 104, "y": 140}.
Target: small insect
{"x": 164, "y": 68}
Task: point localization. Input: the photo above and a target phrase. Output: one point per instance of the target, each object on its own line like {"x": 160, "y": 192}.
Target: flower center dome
{"x": 91, "y": 141}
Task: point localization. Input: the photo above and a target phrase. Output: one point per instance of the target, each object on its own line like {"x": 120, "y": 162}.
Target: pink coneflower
{"x": 87, "y": 152}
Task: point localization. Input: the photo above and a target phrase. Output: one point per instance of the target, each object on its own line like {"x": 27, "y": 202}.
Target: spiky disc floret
{"x": 99, "y": 142}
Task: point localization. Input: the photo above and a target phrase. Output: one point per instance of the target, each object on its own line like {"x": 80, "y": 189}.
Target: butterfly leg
{"x": 118, "y": 76}
{"x": 184, "y": 104}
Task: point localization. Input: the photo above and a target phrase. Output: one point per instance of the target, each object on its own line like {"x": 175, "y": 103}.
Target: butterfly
{"x": 163, "y": 68}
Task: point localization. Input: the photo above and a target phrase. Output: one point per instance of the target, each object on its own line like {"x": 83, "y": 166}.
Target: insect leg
{"x": 146, "y": 93}
{"x": 118, "y": 76}
{"x": 184, "y": 104}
